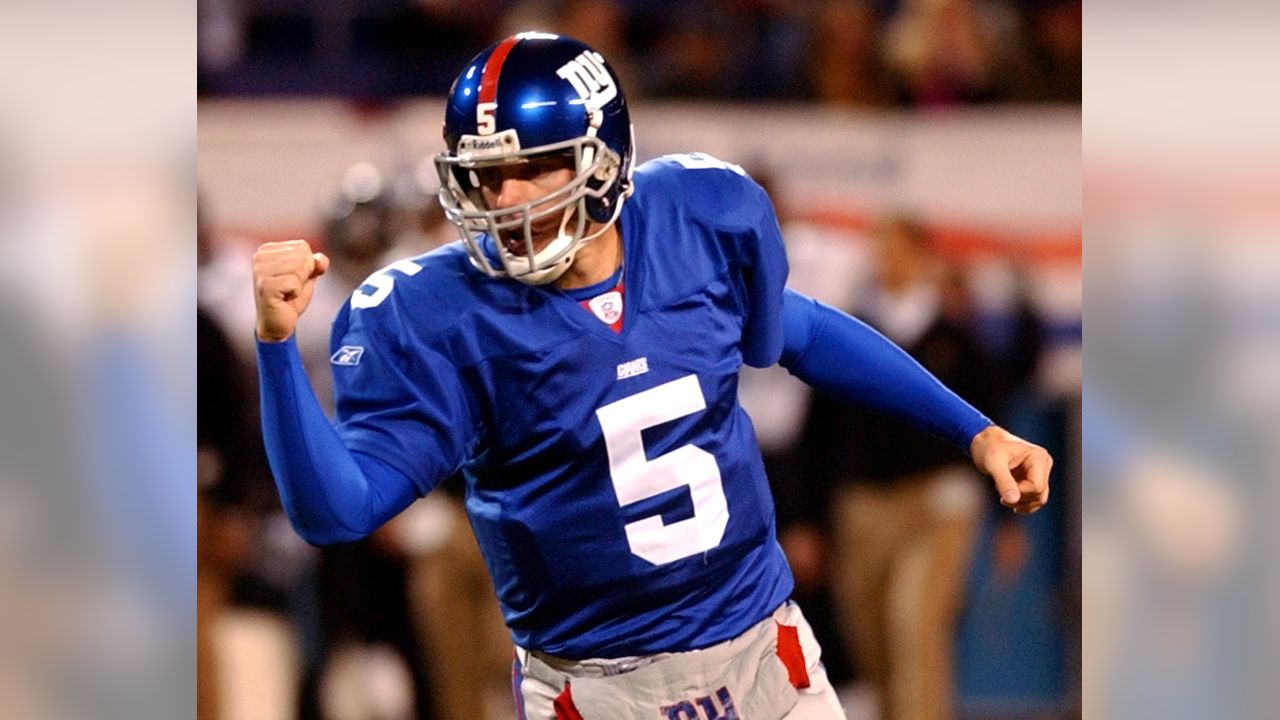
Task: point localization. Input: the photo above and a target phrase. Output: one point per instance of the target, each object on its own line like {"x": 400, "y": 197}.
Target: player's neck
{"x": 594, "y": 262}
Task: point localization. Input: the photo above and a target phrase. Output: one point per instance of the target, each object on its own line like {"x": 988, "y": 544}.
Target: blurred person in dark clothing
{"x": 454, "y": 608}
{"x": 904, "y": 508}
{"x": 247, "y": 570}
{"x": 369, "y": 666}
{"x": 218, "y": 550}
{"x": 825, "y": 263}
{"x": 1055, "y": 50}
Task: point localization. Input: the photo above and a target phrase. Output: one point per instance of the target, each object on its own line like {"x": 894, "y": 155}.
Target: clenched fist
{"x": 284, "y": 278}
{"x": 1020, "y": 469}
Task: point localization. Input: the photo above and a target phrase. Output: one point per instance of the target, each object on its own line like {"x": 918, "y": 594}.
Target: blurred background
{"x": 98, "y": 380}
{"x": 924, "y": 159}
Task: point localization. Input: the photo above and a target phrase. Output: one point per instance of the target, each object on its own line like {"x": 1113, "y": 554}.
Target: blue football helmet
{"x": 532, "y": 96}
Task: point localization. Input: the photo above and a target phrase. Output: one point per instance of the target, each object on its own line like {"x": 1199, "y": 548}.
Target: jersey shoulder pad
{"x": 440, "y": 301}
{"x": 704, "y": 187}
{"x": 436, "y": 280}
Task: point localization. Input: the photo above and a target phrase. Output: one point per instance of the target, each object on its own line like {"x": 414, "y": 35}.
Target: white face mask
{"x": 593, "y": 160}
{"x": 547, "y": 264}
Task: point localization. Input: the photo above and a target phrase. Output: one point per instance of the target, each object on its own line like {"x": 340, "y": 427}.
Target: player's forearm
{"x": 329, "y": 493}
{"x": 844, "y": 357}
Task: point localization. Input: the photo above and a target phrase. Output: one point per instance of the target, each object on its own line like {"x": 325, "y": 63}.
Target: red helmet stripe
{"x": 493, "y": 68}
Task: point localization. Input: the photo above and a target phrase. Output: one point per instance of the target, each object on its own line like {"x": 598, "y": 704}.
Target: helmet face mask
{"x": 462, "y": 196}
{"x": 538, "y": 109}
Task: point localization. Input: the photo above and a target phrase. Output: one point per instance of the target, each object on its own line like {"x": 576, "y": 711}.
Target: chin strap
{"x": 559, "y": 267}
{"x": 521, "y": 265}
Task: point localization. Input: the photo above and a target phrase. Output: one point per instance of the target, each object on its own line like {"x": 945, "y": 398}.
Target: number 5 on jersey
{"x": 635, "y": 477}
{"x": 382, "y": 282}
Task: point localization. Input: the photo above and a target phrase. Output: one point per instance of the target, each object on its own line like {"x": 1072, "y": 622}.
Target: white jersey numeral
{"x": 635, "y": 477}
{"x": 382, "y": 282}
{"x": 703, "y": 161}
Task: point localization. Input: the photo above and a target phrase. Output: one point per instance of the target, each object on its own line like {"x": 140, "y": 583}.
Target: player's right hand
{"x": 284, "y": 278}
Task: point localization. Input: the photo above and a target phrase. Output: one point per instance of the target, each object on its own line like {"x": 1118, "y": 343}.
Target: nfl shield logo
{"x": 607, "y": 307}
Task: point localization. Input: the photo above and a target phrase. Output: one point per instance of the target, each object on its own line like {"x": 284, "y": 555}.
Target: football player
{"x": 576, "y": 357}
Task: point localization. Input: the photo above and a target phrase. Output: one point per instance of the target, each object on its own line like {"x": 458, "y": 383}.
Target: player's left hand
{"x": 1020, "y": 469}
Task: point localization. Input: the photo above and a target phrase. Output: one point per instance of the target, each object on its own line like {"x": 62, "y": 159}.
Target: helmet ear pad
{"x": 600, "y": 209}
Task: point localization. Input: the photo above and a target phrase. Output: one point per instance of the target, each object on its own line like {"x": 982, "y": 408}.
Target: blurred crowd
{"x": 898, "y": 547}
{"x": 840, "y": 53}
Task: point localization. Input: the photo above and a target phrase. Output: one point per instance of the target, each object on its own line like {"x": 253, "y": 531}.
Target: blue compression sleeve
{"x": 330, "y": 493}
{"x": 850, "y": 361}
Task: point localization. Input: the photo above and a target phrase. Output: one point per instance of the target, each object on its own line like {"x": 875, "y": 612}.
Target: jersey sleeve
{"x": 764, "y": 267}
{"x": 329, "y": 493}
{"x": 847, "y": 359}
{"x": 404, "y": 405}
{"x": 719, "y": 205}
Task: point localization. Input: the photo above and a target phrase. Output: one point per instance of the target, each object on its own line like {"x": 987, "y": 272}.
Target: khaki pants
{"x": 899, "y": 568}
{"x": 469, "y": 647}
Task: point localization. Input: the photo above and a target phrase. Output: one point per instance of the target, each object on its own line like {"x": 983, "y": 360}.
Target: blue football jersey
{"x": 612, "y": 479}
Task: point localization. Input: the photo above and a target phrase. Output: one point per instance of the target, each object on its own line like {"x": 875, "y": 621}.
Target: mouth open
{"x": 542, "y": 234}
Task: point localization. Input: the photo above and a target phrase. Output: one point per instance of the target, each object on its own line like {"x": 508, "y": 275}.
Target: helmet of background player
{"x": 532, "y": 95}
{"x": 358, "y": 215}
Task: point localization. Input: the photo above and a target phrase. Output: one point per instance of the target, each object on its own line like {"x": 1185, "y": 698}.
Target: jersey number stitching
{"x": 635, "y": 477}
{"x": 382, "y": 282}
{"x": 703, "y": 161}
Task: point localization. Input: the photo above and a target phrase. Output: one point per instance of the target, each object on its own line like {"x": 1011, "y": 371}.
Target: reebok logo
{"x": 347, "y": 355}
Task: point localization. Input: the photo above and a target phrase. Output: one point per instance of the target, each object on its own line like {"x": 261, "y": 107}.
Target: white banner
{"x": 1014, "y": 172}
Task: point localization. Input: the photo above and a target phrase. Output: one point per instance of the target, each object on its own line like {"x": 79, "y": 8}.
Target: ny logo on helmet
{"x": 590, "y": 79}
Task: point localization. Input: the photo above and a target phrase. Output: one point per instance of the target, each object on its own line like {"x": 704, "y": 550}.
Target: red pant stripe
{"x": 792, "y": 655}
{"x": 565, "y": 709}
